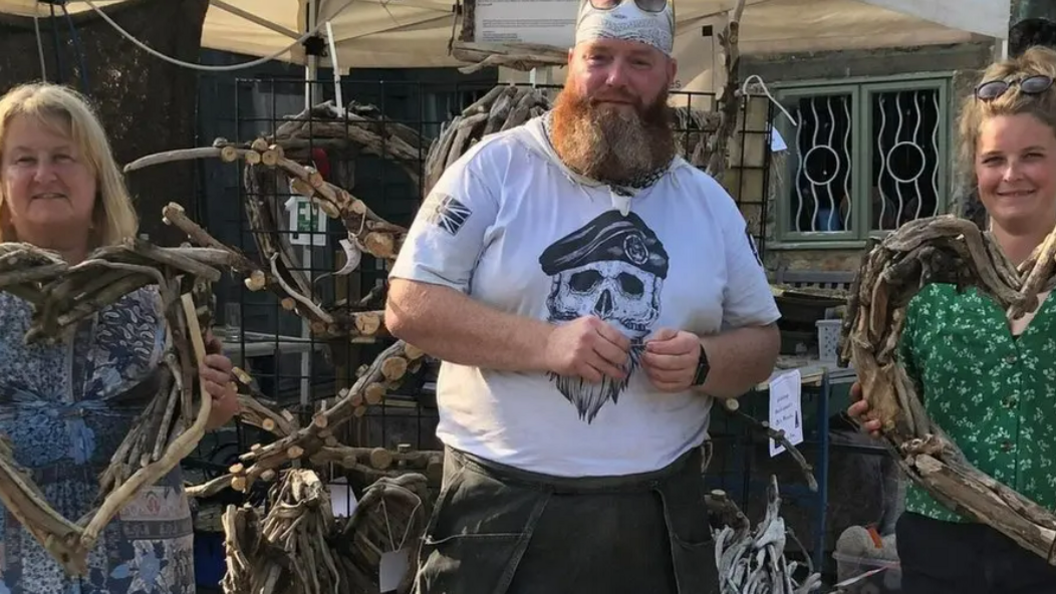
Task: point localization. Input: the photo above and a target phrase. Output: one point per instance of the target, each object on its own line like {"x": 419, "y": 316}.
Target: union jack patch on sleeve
{"x": 446, "y": 212}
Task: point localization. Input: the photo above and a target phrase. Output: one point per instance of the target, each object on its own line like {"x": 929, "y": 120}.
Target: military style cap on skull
{"x": 610, "y": 237}
{"x": 651, "y": 22}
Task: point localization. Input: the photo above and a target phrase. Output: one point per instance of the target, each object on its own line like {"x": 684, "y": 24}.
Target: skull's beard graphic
{"x": 619, "y": 294}
{"x": 588, "y": 398}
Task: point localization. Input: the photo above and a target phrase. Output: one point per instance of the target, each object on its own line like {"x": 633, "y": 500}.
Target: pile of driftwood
{"x": 171, "y": 424}
{"x": 296, "y": 545}
{"x": 941, "y": 249}
{"x": 753, "y": 561}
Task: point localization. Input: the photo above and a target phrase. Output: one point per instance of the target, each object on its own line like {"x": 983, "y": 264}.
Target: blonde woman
{"x": 988, "y": 382}
{"x": 66, "y": 407}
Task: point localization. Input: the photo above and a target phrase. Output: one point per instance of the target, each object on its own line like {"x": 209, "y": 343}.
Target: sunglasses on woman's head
{"x": 1031, "y": 85}
{"x": 644, "y": 5}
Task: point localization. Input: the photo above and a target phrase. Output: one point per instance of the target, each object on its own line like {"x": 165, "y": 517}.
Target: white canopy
{"x": 415, "y": 33}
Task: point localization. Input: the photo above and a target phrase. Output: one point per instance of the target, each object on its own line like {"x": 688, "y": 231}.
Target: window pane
{"x": 905, "y": 163}
{"x": 821, "y": 188}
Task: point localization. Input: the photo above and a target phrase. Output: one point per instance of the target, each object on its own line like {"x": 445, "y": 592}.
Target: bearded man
{"x": 589, "y": 294}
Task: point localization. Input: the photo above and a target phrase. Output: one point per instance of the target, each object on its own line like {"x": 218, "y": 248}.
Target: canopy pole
{"x": 311, "y": 73}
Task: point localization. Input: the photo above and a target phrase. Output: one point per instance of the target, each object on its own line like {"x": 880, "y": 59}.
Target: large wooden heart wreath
{"x": 941, "y": 249}
{"x": 174, "y": 420}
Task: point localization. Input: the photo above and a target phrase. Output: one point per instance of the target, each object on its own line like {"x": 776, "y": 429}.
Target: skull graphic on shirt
{"x": 617, "y": 292}
{"x": 613, "y": 268}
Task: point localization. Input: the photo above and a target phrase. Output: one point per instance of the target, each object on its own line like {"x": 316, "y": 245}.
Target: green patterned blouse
{"x": 992, "y": 392}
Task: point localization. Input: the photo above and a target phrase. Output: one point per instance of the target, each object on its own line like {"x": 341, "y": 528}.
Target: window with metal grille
{"x": 863, "y": 158}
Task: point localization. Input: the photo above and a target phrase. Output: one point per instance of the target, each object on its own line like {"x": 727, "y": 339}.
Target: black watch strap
{"x": 703, "y": 367}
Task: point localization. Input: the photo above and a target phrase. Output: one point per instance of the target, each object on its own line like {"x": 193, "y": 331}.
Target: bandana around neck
{"x": 627, "y": 22}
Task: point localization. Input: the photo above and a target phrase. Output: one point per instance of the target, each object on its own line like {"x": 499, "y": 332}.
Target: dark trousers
{"x": 499, "y": 530}
{"x": 949, "y": 558}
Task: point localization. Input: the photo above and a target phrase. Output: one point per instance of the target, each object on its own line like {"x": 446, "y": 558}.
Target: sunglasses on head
{"x": 644, "y": 5}
{"x": 1031, "y": 85}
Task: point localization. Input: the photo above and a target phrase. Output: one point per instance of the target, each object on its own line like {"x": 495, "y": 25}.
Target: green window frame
{"x": 866, "y": 156}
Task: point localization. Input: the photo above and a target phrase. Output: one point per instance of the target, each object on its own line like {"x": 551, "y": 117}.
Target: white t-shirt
{"x": 513, "y": 228}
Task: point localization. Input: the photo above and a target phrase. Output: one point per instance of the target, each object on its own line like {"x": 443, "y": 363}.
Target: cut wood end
{"x": 380, "y": 458}
{"x": 394, "y": 368}
{"x": 228, "y": 154}
{"x": 239, "y": 483}
{"x": 288, "y": 303}
{"x": 368, "y": 323}
{"x": 294, "y": 452}
{"x": 374, "y": 394}
{"x": 259, "y": 144}
{"x": 412, "y": 352}
{"x": 252, "y": 157}
{"x": 380, "y": 245}
{"x": 268, "y": 424}
{"x": 268, "y": 475}
{"x": 256, "y": 281}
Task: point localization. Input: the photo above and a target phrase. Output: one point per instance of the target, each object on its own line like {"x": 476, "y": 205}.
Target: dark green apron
{"x": 500, "y": 530}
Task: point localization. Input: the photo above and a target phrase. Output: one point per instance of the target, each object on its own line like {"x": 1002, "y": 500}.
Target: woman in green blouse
{"x": 988, "y": 382}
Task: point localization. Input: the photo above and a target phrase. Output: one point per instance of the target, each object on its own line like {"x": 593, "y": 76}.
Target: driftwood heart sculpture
{"x": 171, "y": 424}
{"x": 941, "y": 249}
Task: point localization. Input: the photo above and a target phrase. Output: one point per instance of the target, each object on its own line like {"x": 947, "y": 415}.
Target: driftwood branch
{"x": 778, "y": 435}
{"x": 337, "y": 322}
{"x": 949, "y": 250}
{"x": 171, "y": 424}
{"x": 316, "y": 439}
{"x": 730, "y": 100}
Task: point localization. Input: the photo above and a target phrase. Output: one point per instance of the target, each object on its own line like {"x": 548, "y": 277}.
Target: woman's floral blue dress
{"x": 56, "y": 407}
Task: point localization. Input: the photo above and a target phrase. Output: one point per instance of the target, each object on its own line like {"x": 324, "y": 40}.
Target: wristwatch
{"x": 703, "y": 367}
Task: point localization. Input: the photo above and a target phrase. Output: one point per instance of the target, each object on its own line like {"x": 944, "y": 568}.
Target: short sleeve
{"x": 747, "y": 299}
{"x": 448, "y": 234}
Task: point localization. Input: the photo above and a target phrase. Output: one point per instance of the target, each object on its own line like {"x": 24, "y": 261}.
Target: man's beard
{"x": 608, "y": 144}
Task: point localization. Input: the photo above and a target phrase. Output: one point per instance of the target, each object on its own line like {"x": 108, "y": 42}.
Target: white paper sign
{"x": 302, "y": 231}
{"x": 549, "y": 22}
{"x": 394, "y": 566}
{"x": 786, "y": 414}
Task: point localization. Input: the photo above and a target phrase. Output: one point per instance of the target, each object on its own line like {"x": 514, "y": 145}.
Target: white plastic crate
{"x": 828, "y": 339}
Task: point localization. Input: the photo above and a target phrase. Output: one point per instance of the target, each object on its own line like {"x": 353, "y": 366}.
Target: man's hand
{"x": 588, "y": 348}
{"x": 218, "y": 379}
{"x": 671, "y": 358}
